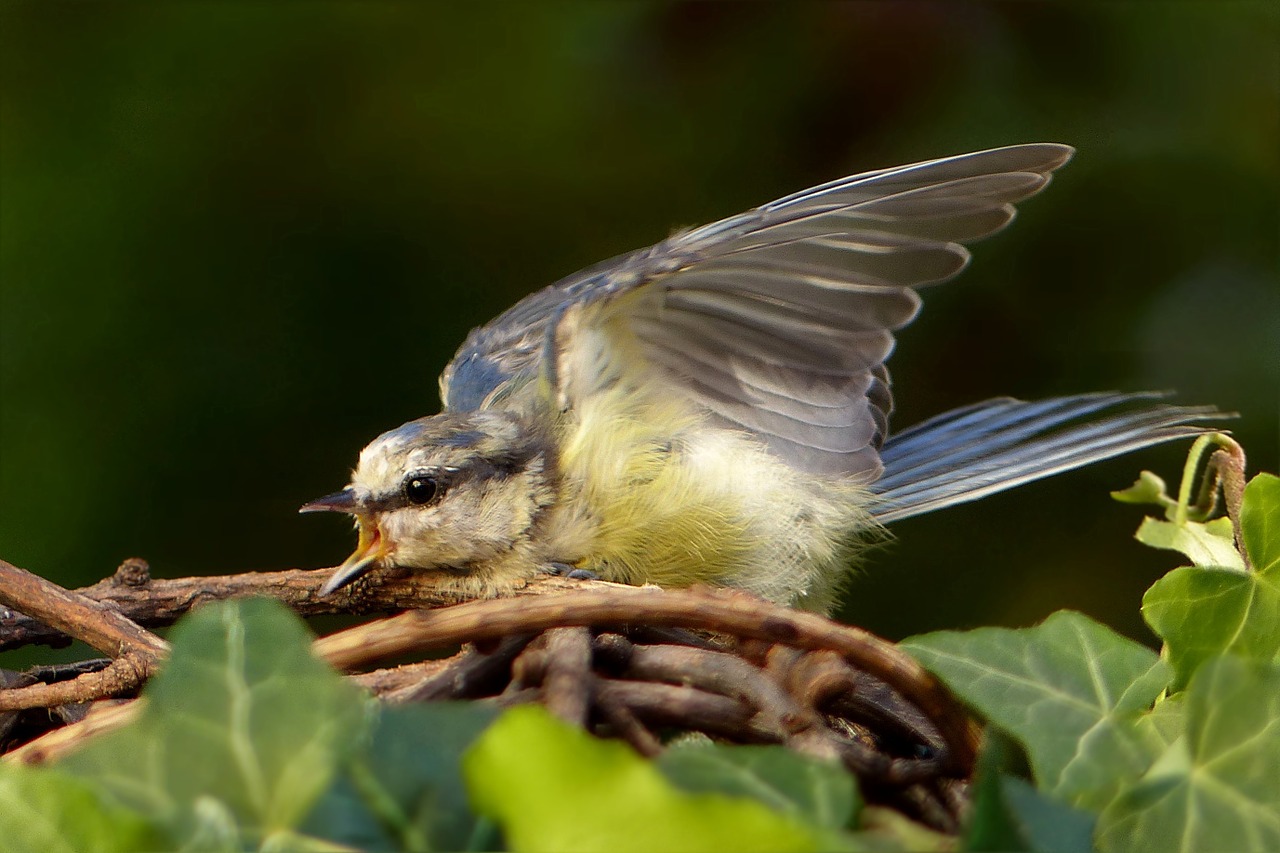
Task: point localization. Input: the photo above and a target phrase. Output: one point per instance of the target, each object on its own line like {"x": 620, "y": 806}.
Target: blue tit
{"x": 715, "y": 408}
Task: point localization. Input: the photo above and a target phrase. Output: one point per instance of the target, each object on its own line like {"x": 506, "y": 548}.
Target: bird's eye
{"x": 420, "y": 489}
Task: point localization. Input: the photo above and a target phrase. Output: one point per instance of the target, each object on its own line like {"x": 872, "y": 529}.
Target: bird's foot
{"x": 566, "y": 570}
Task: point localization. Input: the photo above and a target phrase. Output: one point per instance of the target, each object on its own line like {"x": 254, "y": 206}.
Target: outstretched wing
{"x": 776, "y": 321}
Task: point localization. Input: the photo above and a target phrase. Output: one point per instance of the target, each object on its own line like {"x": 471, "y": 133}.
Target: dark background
{"x": 239, "y": 240}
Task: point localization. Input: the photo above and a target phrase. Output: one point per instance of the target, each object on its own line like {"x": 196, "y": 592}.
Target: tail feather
{"x": 978, "y": 450}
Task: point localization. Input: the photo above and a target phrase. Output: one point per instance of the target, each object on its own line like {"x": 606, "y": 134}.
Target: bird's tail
{"x": 974, "y": 451}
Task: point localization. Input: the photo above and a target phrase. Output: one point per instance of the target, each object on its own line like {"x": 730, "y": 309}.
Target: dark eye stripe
{"x": 407, "y": 495}
{"x": 474, "y": 470}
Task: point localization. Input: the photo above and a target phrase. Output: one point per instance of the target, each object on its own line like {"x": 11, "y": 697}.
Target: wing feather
{"x": 988, "y": 447}
{"x": 778, "y": 320}
{"x": 850, "y": 306}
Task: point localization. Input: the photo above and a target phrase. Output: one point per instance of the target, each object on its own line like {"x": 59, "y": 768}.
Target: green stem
{"x": 1188, "y": 477}
{"x": 1224, "y": 470}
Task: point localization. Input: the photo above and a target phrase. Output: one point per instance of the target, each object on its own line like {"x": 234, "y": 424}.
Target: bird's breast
{"x": 652, "y": 491}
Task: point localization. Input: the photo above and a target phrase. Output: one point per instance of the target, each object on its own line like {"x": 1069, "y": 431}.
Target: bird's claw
{"x": 565, "y": 570}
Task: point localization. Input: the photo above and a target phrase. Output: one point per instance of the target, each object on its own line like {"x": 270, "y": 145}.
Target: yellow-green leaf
{"x": 1209, "y": 544}
{"x": 553, "y": 787}
{"x": 1217, "y": 787}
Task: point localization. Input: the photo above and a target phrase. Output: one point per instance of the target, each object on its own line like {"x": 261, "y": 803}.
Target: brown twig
{"x": 626, "y": 726}
{"x": 49, "y": 673}
{"x": 466, "y": 673}
{"x": 569, "y": 682}
{"x": 133, "y": 594}
{"x": 80, "y": 617}
{"x": 825, "y": 681}
{"x": 69, "y": 738}
{"x": 927, "y": 807}
{"x": 123, "y": 675}
{"x": 715, "y": 610}
{"x": 613, "y": 659}
{"x": 386, "y": 682}
{"x": 529, "y": 667}
{"x": 671, "y": 705}
{"x": 728, "y": 675}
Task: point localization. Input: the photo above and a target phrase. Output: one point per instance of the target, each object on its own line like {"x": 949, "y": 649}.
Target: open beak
{"x": 368, "y": 555}
{"x": 370, "y": 550}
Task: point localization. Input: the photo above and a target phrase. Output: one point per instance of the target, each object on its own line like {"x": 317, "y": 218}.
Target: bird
{"x": 714, "y": 409}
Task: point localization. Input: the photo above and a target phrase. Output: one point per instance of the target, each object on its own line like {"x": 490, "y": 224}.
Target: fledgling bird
{"x": 715, "y": 408}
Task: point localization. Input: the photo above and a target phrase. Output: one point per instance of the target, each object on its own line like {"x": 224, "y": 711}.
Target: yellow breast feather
{"x": 652, "y": 493}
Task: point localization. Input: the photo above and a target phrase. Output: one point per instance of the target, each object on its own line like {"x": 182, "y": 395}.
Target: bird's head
{"x": 447, "y": 491}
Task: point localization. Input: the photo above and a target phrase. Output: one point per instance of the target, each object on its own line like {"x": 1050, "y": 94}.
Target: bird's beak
{"x": 343, "y": 501}
{"x": 369, "y": 553}
{"x": 371, "y": 549}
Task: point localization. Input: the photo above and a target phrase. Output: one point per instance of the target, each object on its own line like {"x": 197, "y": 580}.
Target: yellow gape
{"x": 715, "y": 408}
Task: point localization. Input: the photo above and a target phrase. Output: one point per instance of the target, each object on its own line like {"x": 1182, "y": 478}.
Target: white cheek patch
{"x": 403, "y": 524}
{"x": 412, "y": 535}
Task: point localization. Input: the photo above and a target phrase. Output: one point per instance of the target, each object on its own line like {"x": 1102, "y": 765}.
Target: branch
{"x": 154, "y": 603}
{"x": 123, "y": 675}
{"x": 615, "y": 605}
{"x": 616, "y": 660}
{"x": 78, "y": 616}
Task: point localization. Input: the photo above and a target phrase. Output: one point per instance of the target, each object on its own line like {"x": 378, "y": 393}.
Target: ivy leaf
{"x": 1020, "y": 818}
{"x": 1167, "y": 721}
{"x": 1260, "y": 524}
{"x": 47, "y": 811}
{"x": 1047, "y": 825}
{"x": 1070, "y": 690}
{"x": 819, "y": 793}
{"x": 1007, "y": 814}
{"x": 403, "y": 790}
{"x": 1208, "y": 544}
{"x": 553, "y": 787}
{"x": 243, "y": 721}
{"x": 1217, "y": 787}
{"x": 1202, "y": 612}
{"x": 1149, "y": 488}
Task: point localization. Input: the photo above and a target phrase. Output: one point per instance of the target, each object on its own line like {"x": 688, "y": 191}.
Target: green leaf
{"x": 1216, "y": 788}
{"x": 403, "y": 790}
{"x": 553, "y": 787}
{"x": 1149, "y": 488}
{"x": 990, "y": 826}
{"x": 243, "y": 722}
{"x": 1167, "y": 721}
{"x": 1260, "y": 524}
{"x": 1202, "y": 612}
{"x": 1070, "y": 690}
{"x": 1009, "y": 815}
{"x": 820, "y": 793}
{"x": 1045, "y": 825}
{"x": 1209, "y": 544}
{"x": 47, "y": 811}
{"x": 885, "y": 829}
{"x": 1048, "y": 826}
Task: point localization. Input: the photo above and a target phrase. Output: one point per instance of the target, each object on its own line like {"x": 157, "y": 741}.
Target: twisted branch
{"x": 619, "y": 661}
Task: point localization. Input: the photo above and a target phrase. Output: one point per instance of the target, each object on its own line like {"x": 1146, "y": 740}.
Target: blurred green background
{"x": 238, "y": 240}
